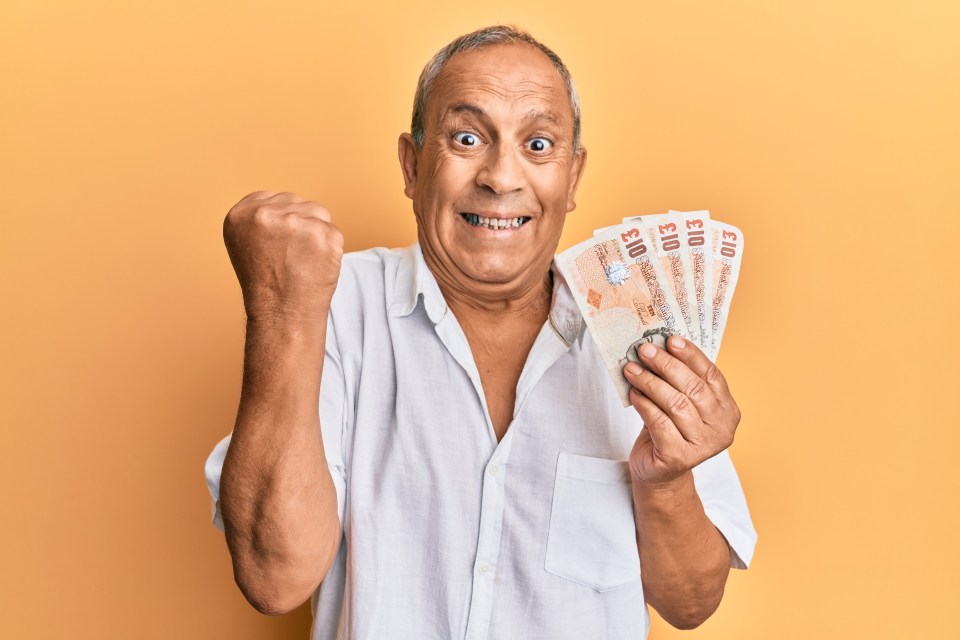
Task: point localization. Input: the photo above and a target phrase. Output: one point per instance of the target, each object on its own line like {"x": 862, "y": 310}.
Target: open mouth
{"x": 494, "y": 224}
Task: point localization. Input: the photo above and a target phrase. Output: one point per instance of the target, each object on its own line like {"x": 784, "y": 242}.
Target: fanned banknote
{"x": 651, "y": 277}
{"x": 697, "y": 227}
{"x": 616, "y": 282}
{"x": 727, "y": 245}
{"x": 668, "y": 238}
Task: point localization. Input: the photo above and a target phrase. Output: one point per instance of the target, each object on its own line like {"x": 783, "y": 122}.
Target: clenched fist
{"x": 286, "y": 254}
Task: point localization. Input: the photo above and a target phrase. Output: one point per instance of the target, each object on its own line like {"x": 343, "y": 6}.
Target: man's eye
{"x": 539, "y": 145}
{"x": 466, "y": 139}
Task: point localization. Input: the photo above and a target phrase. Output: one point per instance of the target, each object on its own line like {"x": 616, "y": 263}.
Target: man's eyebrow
{"x": 466, "y": 107}
{"x": 536, "y": 114}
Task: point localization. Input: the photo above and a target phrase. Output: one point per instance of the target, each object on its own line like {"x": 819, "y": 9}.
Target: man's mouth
{"x": 494, "y": 224}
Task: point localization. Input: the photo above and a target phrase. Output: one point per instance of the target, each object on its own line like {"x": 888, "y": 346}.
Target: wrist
{"x": 665, "y": 493}
{"x": 287, "y": 318}
{"x": 287, "y": 337}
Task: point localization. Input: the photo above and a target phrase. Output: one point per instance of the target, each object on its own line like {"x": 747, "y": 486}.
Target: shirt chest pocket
{"x": 592, "y": 537}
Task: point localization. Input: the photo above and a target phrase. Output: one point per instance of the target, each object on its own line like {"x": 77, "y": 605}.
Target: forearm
{"x": 277, "y": 497}
{"x": 684, "y": 559}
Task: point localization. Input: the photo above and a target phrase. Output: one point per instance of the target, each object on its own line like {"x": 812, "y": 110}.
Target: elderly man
{"x": 470, "y": 472}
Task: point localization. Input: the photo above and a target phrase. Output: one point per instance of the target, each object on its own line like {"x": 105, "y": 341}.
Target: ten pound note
{"x": 619, "y": 286}
{"x": 651, "y": 277}
{"x": 668, "y": 237}
{"x": 698, "y": 238}
{"x": 727, "y": 243}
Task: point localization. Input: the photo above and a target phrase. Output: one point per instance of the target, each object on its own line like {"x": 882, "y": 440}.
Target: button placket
{"x": 488, "y": 543}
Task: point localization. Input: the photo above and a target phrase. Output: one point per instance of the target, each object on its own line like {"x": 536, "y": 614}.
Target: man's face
{"x": 497, "y": 174}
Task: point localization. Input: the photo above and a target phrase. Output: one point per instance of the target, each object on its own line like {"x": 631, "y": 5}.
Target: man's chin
{"x": 495, "y": 271}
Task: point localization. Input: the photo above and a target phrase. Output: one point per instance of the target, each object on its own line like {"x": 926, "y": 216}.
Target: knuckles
{"x": 694, "y": 388}
{"x": 661, "y": 422}
{"x": 713, "y": 376}
{"x": 680, "y": 404}
{"x": 264, "y": 215}
{"x": 665, "y": 362}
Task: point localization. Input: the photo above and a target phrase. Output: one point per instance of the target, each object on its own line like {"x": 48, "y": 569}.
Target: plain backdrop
{"x": 827, "y": 130}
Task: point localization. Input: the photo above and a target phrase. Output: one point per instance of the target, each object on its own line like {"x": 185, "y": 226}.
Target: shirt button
{"x": 484, "y": 568}
{"x": 495, "y": 469}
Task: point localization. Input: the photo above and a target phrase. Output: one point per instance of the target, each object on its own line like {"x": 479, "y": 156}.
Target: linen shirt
{"x": 448, "y": 533}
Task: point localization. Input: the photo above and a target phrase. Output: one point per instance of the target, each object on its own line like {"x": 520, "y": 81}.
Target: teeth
{"x": 494, "y": 224}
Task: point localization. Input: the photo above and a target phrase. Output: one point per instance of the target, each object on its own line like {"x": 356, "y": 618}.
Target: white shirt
{"x": 448, "y": 533}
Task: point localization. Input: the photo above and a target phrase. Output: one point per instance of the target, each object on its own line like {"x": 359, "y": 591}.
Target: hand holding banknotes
{"x": 686, "y": 407}
{"x": 655, "y": 292}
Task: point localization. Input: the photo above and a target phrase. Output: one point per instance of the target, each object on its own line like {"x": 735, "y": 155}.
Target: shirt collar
{"x": 414, "y": 279}
{"x": 565, "y": 317}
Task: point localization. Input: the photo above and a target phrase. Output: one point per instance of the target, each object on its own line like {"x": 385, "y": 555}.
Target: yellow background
{"x": 827, "y": 130}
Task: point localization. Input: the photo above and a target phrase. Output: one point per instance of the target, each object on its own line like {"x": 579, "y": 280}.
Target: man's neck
{"x": 528, "y": 301}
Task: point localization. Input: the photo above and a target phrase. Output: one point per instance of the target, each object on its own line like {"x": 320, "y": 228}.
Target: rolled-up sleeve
{"x": 213, "y": 468}
{"x": 332, "y": 412}
{"x": 723, "y": 501}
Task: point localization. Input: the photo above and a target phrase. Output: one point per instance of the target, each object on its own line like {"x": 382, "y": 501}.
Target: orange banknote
{"x": 653, "y": 276}
{"x": 727, "y": 249}
{"x": 619, "y": 286}
{"x": 668, "y": 238}
{"x": 696, "y": 225}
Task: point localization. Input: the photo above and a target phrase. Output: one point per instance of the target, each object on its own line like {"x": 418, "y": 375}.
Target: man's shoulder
{"x": 368, "y": 258}
{"x": 377, "y": 266}
{"x": 370, "y": 278}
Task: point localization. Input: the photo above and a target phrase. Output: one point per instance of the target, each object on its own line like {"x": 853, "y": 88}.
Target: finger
{"x": 292, "y": 204}
{"x": 286, "y": 197}
{"x": 679, "y": 376}
{"x": 667, "y": 440}
{"x": 677, "y": 408}
{"x": 697, "y": 361}
{"x": 273, "y": 198}
{"x": 310, "y": 209}
{"x": 258, "y": 195}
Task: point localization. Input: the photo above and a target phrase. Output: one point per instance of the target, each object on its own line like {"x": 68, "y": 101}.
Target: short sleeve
{"x": 333, "y": 414}
{"x": 212, "y": 469}
{"x": 723, "y": 501}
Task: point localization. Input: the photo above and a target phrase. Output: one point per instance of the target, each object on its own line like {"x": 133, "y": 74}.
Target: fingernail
{"x": 677, "y": 342}
{"x": 648, "y": 350}
{"x": 634, "y": 369}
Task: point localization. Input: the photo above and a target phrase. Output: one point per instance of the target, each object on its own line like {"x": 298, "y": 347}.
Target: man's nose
{"x": 502, "y": 170}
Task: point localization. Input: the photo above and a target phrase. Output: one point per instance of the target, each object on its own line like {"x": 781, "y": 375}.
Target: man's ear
{"x": 408, "y": 154}
{"x": 576, "y": 172}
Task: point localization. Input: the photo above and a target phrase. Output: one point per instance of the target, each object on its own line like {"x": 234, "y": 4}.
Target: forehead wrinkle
{"x": 534, "y": 113}
{"x": 499, "y": 84}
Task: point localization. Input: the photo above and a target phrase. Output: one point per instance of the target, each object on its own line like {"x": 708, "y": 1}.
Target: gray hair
{"x": 486, "y": 37}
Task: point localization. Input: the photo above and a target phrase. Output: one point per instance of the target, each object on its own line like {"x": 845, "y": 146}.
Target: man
{"x": 481, "y": 478}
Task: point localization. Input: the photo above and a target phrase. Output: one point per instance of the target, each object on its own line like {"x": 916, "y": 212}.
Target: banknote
{"x": 653, "y": 276}
{"x": 668, "y": 239}
{"x": 616, "y": 283}
{"x": 696, "y": 226}
{"x": 636, "y": 245}
{"x": 727, "y": 248}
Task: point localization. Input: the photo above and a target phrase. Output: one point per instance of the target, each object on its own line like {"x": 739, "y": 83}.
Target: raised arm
{"x": 277, "y": 497}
